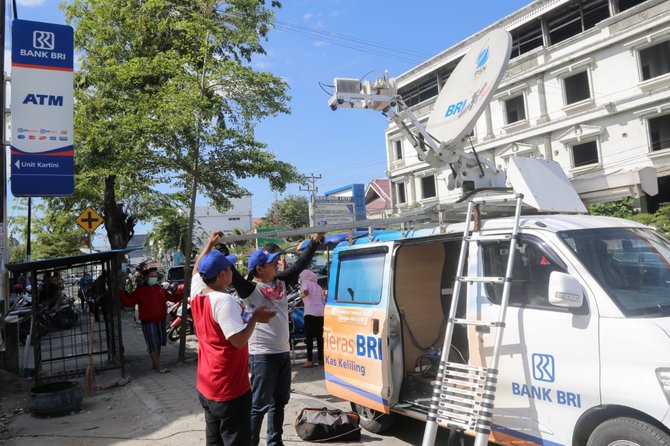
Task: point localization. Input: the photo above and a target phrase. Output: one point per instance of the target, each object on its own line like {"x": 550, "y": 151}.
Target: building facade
{"x": 208, "y": 219}
{"x": 587, "y": 85}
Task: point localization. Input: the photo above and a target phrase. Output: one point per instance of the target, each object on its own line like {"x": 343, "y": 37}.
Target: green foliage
{"x": 290, "y": 213}
{"x": 625, "y": 209}
{"x": 53, "y": 233}
{"x": 164, "y": 93}
{"x": 621, "y": 209}
{"x": 659, "y": 220}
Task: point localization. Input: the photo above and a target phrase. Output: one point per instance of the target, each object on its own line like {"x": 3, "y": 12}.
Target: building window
{"x": 655, "y": 60}
{"x": 576, "y": 18}
{"x": 428, "y": 187}
{"x": 627, "y": 4}
{"x": 400, "y": 189}
{"x": 577, "y": 87}
{"x": 659, "y": 132}
{"x": 419, "y": 91}
{"x": 515, "y": 109}
{"x": 526, "y": 39}
{"x": 585, "y": 154}
{"x": 398, "y": 149}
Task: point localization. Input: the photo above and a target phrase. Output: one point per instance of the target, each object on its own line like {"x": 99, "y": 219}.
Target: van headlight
{"x": 663, "y": 375}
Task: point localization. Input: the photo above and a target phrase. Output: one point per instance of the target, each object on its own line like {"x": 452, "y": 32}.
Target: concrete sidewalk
{"x": 162, "y": 409}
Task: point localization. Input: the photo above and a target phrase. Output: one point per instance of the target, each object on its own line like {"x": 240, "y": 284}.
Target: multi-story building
{"x": 588, "y": 86}
{"x": 208, "y": 219}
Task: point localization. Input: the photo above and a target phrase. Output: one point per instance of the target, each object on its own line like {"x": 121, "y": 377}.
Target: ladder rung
{"x": 488, "y": 237}
{"x": 481, "y": 279}
{"x": 495, "y": 198}
{"x": 477, "y": 323}
{"x": 455, "y": 423}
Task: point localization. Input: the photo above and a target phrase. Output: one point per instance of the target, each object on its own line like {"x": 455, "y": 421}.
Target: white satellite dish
{"x": 469, "y": 88}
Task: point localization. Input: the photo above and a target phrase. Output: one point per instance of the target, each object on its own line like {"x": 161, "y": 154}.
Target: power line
{"x": 355, "y": 40}
{"x": 361, "y": 47}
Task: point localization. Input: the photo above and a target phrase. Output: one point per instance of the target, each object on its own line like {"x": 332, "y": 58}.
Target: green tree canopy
{"x": 164, "y": 93}
{"x": 289, "y": 213}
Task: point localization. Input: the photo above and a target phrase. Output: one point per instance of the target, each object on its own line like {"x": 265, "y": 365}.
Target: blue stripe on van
{"x": 508, "y": 431}
{"x": 371, "y": 396}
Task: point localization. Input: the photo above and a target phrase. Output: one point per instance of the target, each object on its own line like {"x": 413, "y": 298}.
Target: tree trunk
{"x": 119, "y": 225}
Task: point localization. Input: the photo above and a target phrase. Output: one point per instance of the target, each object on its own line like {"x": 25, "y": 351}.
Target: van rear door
{"x": 356, "y": 326}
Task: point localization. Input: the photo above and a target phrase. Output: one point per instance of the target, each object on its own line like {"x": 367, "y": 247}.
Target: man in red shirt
{"x": 151, "y": 299}
{"x": 222, "y": 377}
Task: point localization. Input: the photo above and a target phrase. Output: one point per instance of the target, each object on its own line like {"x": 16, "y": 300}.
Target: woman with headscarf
{"x": 312, "y": 295}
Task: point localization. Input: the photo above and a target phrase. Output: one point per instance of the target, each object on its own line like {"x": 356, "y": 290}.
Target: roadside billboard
{"x": 42, "y": 105}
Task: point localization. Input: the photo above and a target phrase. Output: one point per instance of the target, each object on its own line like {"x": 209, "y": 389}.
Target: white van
{"x": 593, "y": 367}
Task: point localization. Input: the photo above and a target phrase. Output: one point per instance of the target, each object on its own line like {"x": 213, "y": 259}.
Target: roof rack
{"x": 438, "y": 214}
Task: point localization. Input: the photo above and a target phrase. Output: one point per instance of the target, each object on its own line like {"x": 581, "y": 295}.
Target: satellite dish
{"x": 469, "y": 88}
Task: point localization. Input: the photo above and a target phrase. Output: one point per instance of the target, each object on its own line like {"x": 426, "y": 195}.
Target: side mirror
{"x": 565, "y": 290}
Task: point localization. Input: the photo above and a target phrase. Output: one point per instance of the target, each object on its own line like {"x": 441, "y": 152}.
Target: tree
{"x": 621, "y": 209}
{"x": 53, "y": 233}
{"x": 625, "y": 209}
{"x": 166, "y": 99}
{"x": 289, "y": 213}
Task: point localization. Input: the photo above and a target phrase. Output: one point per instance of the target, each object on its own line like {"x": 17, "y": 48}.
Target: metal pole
{"x": 28, "y": 224}
{"x": 3, "y": 191}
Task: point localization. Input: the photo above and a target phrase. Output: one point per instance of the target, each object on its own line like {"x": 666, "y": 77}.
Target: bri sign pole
{"x": 42, "y": 146}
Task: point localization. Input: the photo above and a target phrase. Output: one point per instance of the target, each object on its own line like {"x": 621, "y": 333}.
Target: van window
{"x": 533, "y": 264}
{"x": 631, "y": 264}
{"x": 360, "y": 277}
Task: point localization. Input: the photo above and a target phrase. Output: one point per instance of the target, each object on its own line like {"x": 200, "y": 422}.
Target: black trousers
{"x": 314, "y": 329}
{"x": 227, "y": 423}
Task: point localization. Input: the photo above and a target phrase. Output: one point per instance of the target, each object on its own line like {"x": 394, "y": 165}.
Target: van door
{"x": 549, "y": 360}
{"x": 357, "y": 345}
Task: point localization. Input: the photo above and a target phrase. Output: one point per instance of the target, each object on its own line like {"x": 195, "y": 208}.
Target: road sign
{"x": 89, "y": 220}
{"x": 42, "y": 148}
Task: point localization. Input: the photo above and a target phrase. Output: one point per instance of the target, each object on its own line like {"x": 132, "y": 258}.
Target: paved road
{"x": 162, "y": 409}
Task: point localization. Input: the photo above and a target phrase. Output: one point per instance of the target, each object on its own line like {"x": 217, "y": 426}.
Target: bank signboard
{"x": 42, "y": 146}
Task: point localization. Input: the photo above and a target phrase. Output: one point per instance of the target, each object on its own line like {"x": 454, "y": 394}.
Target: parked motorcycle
{"x": 296, "y": 317}
{"x": 175, "y": 315}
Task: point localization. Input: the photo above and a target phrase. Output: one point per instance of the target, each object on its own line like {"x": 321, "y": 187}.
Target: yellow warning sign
{"x": 89, "y": 220}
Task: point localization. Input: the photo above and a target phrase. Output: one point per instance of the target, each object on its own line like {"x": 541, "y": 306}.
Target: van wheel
{"x": 627, "y": 432}
{"x": 371, "y": 420}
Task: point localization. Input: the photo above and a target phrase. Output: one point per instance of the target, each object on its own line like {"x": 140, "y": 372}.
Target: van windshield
{"x": 632, "y": 264}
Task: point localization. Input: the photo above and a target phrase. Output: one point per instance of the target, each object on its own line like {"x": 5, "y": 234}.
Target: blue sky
{"x": 317, "y": 40}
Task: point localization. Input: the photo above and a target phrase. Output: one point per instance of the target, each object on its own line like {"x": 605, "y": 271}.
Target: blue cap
{"x": 213, "y": 263}
{"x": 261, "y": 257}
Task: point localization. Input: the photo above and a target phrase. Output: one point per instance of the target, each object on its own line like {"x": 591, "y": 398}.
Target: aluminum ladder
{"x": 463, "y": 395}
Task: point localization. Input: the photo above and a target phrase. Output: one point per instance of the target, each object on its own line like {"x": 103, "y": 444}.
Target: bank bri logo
{"x": 44, "y": 40}
{"x": 544, "y": 367}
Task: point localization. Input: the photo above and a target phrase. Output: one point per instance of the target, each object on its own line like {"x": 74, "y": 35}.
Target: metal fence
{"x": 75, "y": 317}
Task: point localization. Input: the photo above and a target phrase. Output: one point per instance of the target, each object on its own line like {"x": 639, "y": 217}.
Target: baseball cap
{"x": 213, "y": 263}
{"x": 261, "y": 257}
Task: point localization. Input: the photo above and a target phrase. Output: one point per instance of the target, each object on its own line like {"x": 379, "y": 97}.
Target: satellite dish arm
{"x": 431, "y": 155}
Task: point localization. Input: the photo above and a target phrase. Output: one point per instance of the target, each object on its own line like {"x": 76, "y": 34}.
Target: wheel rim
{"x": 365, "y": 412}
{"x": 623, "y": 443}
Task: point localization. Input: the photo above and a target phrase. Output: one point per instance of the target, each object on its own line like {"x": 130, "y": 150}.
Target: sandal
{"x": 308, "y": 364}
{"x": 164, "y": 370}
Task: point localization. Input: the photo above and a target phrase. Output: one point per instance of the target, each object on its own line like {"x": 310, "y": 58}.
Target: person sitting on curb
{"x": 151, "y": 298}
{"x": 222, "y": 377}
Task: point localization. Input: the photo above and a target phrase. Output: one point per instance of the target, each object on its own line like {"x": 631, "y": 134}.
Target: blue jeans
{"x": 271, "y": 389}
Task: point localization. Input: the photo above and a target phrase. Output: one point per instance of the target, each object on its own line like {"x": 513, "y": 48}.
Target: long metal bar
{"x": 423, "y": 217}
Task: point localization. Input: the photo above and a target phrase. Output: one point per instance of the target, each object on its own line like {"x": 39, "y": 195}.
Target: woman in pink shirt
{"x": 312, "y": 295}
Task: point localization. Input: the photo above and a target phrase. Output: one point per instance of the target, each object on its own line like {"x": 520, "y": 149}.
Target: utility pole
{"x": 312, "y": 189}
